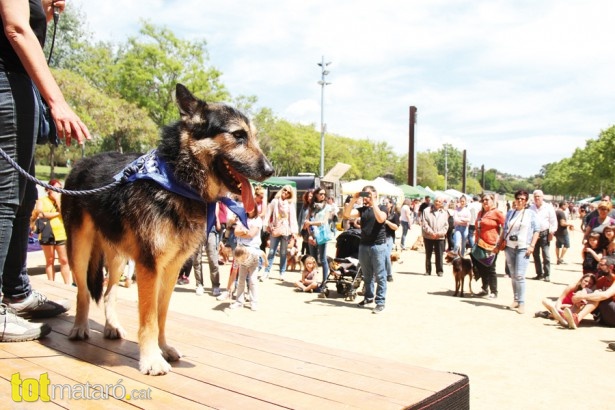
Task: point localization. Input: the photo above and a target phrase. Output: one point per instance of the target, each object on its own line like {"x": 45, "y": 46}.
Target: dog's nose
{"x": 267, "y": 168}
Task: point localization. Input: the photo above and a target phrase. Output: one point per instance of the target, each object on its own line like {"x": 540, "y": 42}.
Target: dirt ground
{"x": 512, "y": 360}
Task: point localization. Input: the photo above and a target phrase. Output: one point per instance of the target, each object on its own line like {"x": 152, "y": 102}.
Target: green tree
{"x": 114, "y": 123}
{"x": 426, "y": 170}
{"x": 449, "y": 161}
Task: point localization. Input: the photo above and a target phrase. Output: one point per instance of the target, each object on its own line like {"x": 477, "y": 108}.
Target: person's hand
{"x": 68, "y": 125}
{"x": 50, "y": 5}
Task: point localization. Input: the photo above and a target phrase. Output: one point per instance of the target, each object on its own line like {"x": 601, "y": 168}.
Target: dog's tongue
{"x": 247, "y": 197}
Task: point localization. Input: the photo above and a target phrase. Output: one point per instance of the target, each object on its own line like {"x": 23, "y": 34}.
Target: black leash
{"x": 128, "y": 171}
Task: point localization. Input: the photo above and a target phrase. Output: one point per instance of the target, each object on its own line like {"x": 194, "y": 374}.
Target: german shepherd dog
{"x": 213, "y": 150}
{"x": 462, "y": 267}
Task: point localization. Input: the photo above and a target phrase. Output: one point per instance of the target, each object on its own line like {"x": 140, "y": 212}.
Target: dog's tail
{"x": 95, "y": 275}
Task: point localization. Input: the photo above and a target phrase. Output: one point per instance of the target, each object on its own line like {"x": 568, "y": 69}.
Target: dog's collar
{"x": 152, "y": 167}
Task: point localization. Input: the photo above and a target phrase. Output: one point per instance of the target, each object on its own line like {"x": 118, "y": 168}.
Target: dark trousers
{"x": 432, "y": 245}
{"x": 543, "y": 268}
{"x": 487, "y": 275}
{"x": 18, "y": 128}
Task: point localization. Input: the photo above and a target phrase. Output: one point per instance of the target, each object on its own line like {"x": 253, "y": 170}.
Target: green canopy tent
{"x": 411, "y": 192}
{"x": 275, "y": 182}
{"x": 423, "y": 191}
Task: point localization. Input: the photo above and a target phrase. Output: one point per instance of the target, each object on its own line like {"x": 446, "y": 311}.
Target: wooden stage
{"x": 223, "y": 367}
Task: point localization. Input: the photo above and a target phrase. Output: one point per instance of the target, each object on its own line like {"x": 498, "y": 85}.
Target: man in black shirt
{"x": 373, "y": 249}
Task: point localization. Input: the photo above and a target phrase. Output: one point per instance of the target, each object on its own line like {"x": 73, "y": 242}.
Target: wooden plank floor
{"x": 223, "y": 367}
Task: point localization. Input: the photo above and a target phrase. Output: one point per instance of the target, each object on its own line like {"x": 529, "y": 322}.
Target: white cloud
{"x": 518, "y": 83}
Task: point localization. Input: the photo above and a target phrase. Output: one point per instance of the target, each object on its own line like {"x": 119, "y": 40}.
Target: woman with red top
{"x": 489, "y": 223}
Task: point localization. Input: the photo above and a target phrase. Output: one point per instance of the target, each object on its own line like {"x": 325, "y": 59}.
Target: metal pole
{"x": 322, "y": 83}
{"x": 411, "y": 148}
{"x": 445, "y": 167}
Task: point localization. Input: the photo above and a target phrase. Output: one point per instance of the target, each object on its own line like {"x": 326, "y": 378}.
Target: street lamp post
{"x": 322, "y": 83}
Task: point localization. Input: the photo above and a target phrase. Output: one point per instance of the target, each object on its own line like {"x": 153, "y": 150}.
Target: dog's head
{"x": 218, "y": 149}
{"x": 450, "y": 256}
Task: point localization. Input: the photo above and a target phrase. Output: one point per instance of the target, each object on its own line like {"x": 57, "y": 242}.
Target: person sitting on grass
{"x": 308, "y": 281}
{"x": 584, "y": 284}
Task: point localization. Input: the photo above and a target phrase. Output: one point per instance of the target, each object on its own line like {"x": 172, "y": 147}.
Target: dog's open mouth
{"x": 238, "y": 184}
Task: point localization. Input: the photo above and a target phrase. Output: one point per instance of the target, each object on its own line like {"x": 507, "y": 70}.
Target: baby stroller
{"x": 345, "y": 270}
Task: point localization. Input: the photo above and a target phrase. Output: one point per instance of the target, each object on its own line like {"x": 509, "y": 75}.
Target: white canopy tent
{"x": 454, "y": 193}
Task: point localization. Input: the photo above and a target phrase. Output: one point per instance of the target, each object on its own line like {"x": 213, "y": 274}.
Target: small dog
{"x": 462, "y": 267}
{"x": 419, "y": 244}
{"x": 293, "y": 259}
{"x": 210, "y": 152}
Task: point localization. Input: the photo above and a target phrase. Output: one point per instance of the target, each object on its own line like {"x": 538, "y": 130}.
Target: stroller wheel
{"x": 326, "y": 292}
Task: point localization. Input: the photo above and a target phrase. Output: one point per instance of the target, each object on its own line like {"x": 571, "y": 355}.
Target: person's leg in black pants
{"x": 429, "y": 247}
{"x": 440, "y": 245}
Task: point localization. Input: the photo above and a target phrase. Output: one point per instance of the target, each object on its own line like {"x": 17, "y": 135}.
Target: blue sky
{"x": 518, "y": 84}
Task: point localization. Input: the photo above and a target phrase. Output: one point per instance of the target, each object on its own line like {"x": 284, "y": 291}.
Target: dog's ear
{"x": 188, "y": 103}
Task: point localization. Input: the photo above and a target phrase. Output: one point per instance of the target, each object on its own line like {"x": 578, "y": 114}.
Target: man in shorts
{"x": 562, "y": 239}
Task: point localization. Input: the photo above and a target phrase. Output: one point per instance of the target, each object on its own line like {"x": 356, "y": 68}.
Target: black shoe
{"x": 439, "y": 273}
{"x": 365, "y": 302}
{"x": 427, "y": 273}
{"x": 482, "y": 293}
{"x": 389, "y": 278}
{"x": 537, "y": 277}
{"x": 547, "y": 279}
{"x": 612, "y": 346}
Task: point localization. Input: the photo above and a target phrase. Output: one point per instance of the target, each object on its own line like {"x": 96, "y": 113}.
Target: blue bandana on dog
{"x": 151, "y": 166}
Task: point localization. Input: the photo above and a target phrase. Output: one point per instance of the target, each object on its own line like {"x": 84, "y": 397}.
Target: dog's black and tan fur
{"x": 462, "y": 267}
{"x": 213, "y": 149}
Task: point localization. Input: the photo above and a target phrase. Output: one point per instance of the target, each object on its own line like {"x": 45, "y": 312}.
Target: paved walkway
{"x": 513, "y": 361}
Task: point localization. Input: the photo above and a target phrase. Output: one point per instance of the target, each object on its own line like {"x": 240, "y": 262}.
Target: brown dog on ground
{"x": 462, "y": 266}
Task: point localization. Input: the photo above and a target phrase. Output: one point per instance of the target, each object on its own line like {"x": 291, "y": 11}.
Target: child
{"x": 231, "y": 243}
{"x": 591, "y": 255}
{"x": 308, "y": 281}
{"x": 587, "y": 281}
{"x": 246, "y": 257}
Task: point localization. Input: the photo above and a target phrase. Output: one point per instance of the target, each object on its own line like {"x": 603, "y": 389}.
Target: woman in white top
{"x": 461, "y": 220}
{"x": 405, "y": 217}
{"x": 521, "y": 232}
{"x": 281, "y": 221}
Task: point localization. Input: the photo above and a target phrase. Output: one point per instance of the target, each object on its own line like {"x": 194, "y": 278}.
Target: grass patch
{"x": 43, "y": 172}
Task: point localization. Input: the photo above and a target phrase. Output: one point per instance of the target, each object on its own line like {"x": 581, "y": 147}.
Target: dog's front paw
{"x": 114, "y": 332}
{"x": 79, "y": 333}
{"x": 170, "y": 353}
{"x": 154, "y": 365}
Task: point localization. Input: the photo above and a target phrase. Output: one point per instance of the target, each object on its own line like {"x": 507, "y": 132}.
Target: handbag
{"x": 43, "y": 228}
{"x": 484, "y": 256}
{"x": 47, "y": 132}
{"x": 323, "y": 234}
